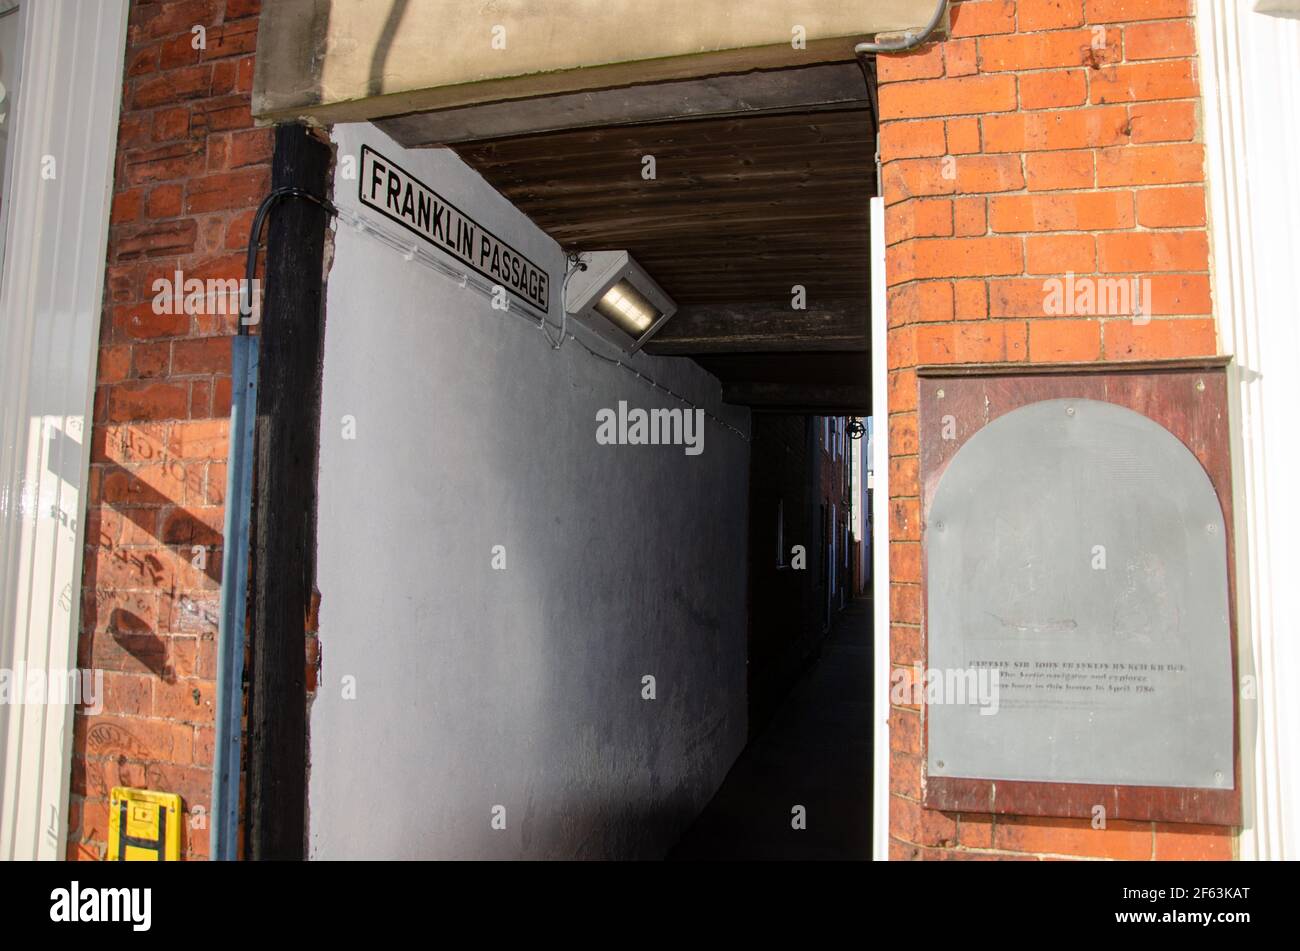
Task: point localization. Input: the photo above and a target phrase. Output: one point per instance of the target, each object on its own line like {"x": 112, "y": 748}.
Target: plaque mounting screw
{"x": 938, "y": 526}
{"x": 1069, "y": 411}
{"x": 939, "y": 764}
{"x": 939, "y": 394}
{"x": 1211, "y": 528}
{"x": 1218, "y": 776}
{"x": 1200, "y": 386}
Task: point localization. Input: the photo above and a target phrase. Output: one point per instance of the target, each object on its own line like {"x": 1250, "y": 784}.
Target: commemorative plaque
{"x": 1077, "y": 585}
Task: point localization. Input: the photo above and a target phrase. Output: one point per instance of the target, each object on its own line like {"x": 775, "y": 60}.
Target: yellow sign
{"x": 144, "y": 826}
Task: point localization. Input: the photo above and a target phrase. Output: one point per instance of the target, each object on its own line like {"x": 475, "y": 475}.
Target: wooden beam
{"x": 737, "y": 328}
{"x": 737, "y": 137}
{"x": 772, "y": 366}
{"x": 806, "y": 89}
{"x": 284, "y": 543}
{"x": 821, "y": 398}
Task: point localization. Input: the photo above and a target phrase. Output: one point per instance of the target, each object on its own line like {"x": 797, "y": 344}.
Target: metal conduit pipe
{"x": 864, "y": 53}
{"x": 908, "y": 40}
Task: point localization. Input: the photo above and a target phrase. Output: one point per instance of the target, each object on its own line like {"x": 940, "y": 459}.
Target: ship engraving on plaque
{"x": 1078, "y": 548}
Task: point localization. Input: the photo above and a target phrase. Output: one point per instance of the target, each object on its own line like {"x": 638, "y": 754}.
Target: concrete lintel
{"x": 351, "y": 60}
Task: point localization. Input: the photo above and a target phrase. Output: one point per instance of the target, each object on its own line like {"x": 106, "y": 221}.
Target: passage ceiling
{"x": 742, "y": 207}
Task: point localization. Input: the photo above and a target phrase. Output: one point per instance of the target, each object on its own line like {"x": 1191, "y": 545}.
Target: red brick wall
{"x": 190, "y": 171}
{"x": 1040, "y": 137}
{"x": 834, "y": 477}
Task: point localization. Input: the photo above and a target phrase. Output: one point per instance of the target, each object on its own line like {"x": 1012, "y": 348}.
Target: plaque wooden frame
{"x": 1187, "y": 397}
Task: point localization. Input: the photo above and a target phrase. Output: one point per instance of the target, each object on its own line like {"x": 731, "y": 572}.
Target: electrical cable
{"x": 576, "y": 264}
{"x": 255, "y": 239}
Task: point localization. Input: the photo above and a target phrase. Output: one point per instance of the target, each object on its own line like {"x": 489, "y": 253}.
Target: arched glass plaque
{"x": 1078, "y": 548}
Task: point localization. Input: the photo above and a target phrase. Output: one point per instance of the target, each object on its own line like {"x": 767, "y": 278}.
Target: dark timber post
{"x": 284, "y": 540}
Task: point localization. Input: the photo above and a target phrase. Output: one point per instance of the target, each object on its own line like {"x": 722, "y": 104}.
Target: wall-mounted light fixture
{"x": 617, "y": 299}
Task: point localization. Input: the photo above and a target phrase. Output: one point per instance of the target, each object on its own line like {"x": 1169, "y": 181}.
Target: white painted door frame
{"x": 1250, "y": 82}
{"x": 58, "y": 193}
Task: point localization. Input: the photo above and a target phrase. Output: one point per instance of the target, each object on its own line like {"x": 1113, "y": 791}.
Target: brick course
{"x": 1087, "y": 159}
{"x": 190, "y": 169}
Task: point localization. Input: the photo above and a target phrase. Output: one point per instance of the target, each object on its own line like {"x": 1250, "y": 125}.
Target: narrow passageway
{"x": 815, "y": 753}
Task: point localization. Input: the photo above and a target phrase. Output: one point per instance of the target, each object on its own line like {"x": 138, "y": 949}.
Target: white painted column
{"x": 57, "y": 200}
{"x": 1250, "y": 78}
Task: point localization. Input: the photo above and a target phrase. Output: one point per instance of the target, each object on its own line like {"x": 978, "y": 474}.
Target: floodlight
{"x": 617, "y": 299}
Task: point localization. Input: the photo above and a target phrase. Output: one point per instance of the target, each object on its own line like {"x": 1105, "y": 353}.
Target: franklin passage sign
{"x": 397, "y": 194}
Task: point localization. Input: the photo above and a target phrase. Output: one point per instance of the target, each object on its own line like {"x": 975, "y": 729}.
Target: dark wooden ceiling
{"x": 741, "y": 208}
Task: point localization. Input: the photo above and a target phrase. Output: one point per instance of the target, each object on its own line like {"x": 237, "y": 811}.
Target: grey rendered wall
{"x": 521, "y": 687}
